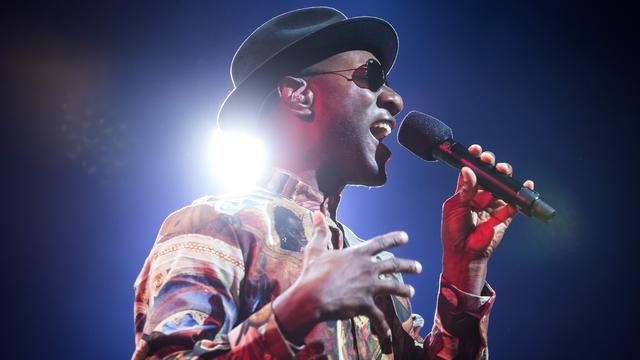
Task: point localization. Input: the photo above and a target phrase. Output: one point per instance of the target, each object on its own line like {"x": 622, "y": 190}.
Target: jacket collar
{"x": 290, "y": 186}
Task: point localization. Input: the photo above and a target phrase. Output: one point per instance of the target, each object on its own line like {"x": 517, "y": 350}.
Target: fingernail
{"x": 418, "y": 267}
{"x": 412, "y": 291}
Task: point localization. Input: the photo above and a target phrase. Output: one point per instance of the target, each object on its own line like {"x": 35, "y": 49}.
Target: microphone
{"x": 432, "y": 140}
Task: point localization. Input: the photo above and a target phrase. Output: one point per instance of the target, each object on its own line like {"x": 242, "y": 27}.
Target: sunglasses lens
{"x": 375, "y": 75}
{"x": 360, "y": 77}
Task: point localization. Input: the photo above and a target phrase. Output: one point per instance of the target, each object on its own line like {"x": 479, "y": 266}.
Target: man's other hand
{"x": 340, "y": 284}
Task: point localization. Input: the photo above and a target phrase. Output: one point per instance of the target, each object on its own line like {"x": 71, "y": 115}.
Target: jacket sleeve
{"x": 459, "y": 328}
{"x": 188, "y": 294}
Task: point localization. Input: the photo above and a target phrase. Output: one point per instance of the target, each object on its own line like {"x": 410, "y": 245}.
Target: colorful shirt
{"x": 206, "y": 288}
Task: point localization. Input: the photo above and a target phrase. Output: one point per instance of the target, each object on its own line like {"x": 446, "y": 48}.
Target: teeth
{"x": 380, "y": 129}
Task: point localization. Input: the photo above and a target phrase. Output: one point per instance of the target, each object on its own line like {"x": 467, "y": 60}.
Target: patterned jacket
{"x": 206, "y": 288}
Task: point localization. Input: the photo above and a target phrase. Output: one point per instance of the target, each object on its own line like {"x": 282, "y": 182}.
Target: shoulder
{"x": 226, "y": 217}
{"x": 210, "y": 215}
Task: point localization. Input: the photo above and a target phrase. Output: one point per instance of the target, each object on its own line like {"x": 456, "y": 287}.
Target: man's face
{"x": 345, "y": 117}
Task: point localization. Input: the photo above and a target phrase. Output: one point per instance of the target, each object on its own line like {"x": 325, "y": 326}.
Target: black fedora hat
{"x": 290, "y": 42}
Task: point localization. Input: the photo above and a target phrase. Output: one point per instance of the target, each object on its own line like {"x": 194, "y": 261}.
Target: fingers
{"x": 468, "y": 188}
{"x": 485, "y": 232}
{"x": 383, "y": 242}
{"x": 394, "y": 287}
{"x": 488, "y": 157}
{"x": 528, "y": 184}
{"x": 397, "y": 265}
{"x": 504, "y": 214}
{"x": 481, "y": 200}
{"x": 475, "y": 150}
{"x": 321, "y": 234}
{"x": 505, "y": 168}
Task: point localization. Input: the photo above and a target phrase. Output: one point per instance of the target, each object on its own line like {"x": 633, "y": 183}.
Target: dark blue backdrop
{"x": 109, "y": 107}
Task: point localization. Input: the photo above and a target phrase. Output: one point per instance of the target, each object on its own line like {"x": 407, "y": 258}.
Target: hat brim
{"x": 242, "y": 106}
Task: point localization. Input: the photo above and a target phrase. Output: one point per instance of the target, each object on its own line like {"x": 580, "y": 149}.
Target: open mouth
{"x": 381, "y": 128}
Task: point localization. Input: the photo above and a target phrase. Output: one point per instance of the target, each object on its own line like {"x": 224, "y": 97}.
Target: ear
{"x": 296, "y": 95}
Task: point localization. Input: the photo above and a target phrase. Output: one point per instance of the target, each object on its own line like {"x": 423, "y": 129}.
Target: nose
{"x": 390, "y": 100}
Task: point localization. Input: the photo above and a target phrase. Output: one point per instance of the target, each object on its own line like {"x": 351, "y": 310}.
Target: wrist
{"x": 296, "y": 314}
{"x": 467, "y": 275}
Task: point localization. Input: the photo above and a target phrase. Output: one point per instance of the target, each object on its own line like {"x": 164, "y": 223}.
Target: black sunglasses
{"x": 369, "y": 75}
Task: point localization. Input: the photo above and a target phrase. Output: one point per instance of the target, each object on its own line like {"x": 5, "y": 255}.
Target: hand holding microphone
{"x": 431, "y": 139}
{"x": 475, "y": 218}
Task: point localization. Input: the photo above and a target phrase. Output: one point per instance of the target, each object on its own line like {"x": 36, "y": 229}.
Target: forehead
{"x": 345, "y": 60}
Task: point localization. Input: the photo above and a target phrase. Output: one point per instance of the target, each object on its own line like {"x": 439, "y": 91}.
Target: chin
{"x": 370, "y": 170}
{"x": 381, "y": 177}
{"x": 376, "y": 175}
{"x": 380, "y": 166}
{"x": 377, "y": 182}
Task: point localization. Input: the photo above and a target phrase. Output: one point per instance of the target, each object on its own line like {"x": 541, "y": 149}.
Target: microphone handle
{"x": 500, "y": 185}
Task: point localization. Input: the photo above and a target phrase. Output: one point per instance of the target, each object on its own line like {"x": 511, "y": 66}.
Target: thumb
{"x": 467, "y": 185}
{"x": 460, "y": 202}
{"x": 321, "y": 235}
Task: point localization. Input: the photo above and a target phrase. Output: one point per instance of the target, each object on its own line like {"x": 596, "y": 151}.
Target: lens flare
{"x": 238, "y": 160}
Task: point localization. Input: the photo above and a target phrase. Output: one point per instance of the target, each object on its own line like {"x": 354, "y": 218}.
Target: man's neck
{"x": 323, "y": 179}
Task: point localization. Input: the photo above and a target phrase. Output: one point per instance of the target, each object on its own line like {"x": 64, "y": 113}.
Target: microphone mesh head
{"x": 421, "y": 133}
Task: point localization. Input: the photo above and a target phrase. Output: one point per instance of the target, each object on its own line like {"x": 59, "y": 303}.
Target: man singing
{"x": 273, "y": 273}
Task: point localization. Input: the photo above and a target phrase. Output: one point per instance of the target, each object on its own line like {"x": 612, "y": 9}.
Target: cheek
{"x": 331, "y": 111}
{"x": 330, "y": 100}
{"x": 342, "y": 112}
{"x": 344, "y": 109}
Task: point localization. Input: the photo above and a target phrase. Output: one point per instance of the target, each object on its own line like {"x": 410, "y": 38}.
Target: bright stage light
{"x": 238, "y": 159}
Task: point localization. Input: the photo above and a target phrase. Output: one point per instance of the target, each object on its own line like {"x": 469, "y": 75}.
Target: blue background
{"x": 109, "y": 107}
